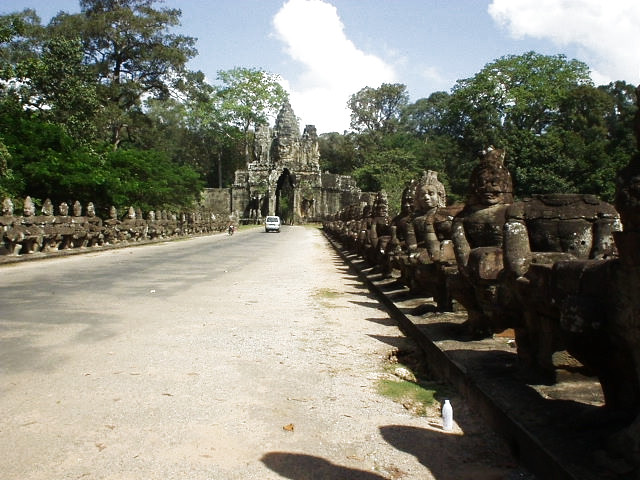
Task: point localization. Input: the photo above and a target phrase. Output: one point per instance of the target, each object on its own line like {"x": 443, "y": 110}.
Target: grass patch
{"x": 413, "y": 396}
{"x": 327, "y": 293}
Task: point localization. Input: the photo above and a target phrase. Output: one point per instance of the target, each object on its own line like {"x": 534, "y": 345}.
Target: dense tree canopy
{"x": 378, "y": 109}
{"x": 560, "y": 132}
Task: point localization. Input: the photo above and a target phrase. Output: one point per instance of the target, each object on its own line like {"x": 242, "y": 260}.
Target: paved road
{"x": 247, "y": 357}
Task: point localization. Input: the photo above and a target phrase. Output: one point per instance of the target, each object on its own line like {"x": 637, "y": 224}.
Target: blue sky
{"x": 326, "y": 50}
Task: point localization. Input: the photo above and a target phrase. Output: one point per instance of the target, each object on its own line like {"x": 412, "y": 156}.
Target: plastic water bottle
{"x": 447, "y": 416}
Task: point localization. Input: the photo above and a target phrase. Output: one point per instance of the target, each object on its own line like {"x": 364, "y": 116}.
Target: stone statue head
{"x": 131, "y": 213}
{"x": 430, "y": 192}
{"x": 91, "y": 210}
{"x": 113, "y": 213}
{"x": 381, "y": 204}
{"x": 47, "y": 207}
{"x": 366, "y": 211}
{"x": 29, "y": 209}
{"x": 407, "y": 200}
{"x": 7, "y": 207}
{"x": 77, "y": 209}
{"x": 490, "y": 182}
{"x": 63, "y": 209}
{"x": 151, "y": 216}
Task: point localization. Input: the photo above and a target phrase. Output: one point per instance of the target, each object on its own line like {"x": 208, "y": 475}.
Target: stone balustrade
{"x": 561, "y": 270}
{"x": 55, "y": 231}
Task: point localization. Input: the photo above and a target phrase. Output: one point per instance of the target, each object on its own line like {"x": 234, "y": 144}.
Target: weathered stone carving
{"x": 10, "y": 235}
{"x": 539, "y": 232}
{"x": 64, "y": 227}
{"x": 47, "y": 233}
{"x": 379, "y": 231}
{"x": 429, "y": 247}
{"x": 131, "y": 227}
{"x": 284, "y": 176}
{"x": 394, "y": 252}
{"x": 112, "y": 228}
{"x": 47, "y": 222}
{"x": 599, "y": 305}
{"x": 558, "y": 268}
{"x": 80, "y": 226}
{"x": 31, "y": 232}
{"x": 95, "y": 235}
{"x": 477, "y": 234}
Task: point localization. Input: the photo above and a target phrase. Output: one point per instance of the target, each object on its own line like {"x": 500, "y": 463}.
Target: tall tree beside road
{"x": 46, "y": 74}
{"x": 81, "y": 81}
{"x": 378, "y": 109}
{"x": 128, "y": 46}
{"x": 529, "y": 105}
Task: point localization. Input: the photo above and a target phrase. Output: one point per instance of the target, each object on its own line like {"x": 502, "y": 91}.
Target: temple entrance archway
{"x": 285, "y": 196}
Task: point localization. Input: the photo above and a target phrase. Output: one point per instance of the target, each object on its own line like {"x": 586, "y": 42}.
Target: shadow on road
{"x": 297, "y": 466}
{"x": 448, "y": 456}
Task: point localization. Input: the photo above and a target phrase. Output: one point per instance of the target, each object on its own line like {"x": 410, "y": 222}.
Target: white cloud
{"x": 435, "y": 77}
{"x": 606, "y": 33}
{"x": 333, "y": 67}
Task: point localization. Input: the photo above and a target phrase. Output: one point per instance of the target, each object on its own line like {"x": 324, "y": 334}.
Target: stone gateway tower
{"x": 284, "y": 177}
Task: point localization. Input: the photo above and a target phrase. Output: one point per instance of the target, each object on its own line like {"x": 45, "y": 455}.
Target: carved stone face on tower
{"x": 286, "y": 145}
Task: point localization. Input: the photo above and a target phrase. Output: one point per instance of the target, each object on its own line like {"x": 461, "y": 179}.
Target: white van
{"x": 272, "y": 224}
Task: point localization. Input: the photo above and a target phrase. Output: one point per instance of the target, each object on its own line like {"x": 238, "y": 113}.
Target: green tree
{"x": 62, "y": 87}
{"x": 426, "y": 122}
{"x": 515, "y": 92}
{"x": 149, "y": 179}
{"x": 21, "y": 34}
{"x": 389, "y": 170}
{"x": 337, "y": 152}
{"x": 132, "y": 55}
{"x": 427, "y": 116}
{"x": 513, "y": 103}
{"x": 249, "y": 97}
{"x": 378, "y": 109}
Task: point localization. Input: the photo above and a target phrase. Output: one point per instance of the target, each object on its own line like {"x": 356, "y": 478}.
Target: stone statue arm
{"x": 373, "y": 235}
{"x": 411, "y": 239}
{"x": 432, "y": 243}
{"x": 517, "y": 249}
{"x": 393, "y": 244}
{"x": 461, "y": 247}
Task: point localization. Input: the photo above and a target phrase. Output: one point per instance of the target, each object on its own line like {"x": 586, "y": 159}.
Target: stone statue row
{"x": 558, "y": 269}
{"x": 31, "y": 233}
